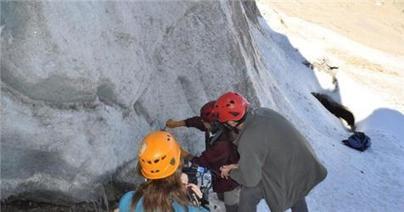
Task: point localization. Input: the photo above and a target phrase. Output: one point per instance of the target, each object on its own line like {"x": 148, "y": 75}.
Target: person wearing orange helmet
{"x": 276, "y": 162}
{"x": 159, "y": 160}
{"x": 202, "y": 122}
{"x": 219, "y": 151}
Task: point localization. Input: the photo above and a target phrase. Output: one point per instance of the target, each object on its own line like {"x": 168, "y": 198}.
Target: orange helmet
{"x": 159, "y": 155}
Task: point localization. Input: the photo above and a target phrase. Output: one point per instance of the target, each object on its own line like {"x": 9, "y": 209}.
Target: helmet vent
{"x": 232, "y": 102}
{"x": 149, "y": 162}
{"x": 156, "y": 161}
{"x": 162, "y": 158}
{"x": 235, "y": 114}
{"x": 172, "y": 161}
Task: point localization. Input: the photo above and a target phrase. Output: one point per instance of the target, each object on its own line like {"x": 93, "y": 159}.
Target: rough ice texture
{"x": 83, "y": 82}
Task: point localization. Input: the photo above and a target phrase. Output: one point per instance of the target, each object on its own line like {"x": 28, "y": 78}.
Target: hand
{"x": 225, "y": 170}
{"x": 184, "y": 179}
{"x": 171, "y": 123}
{"x": 195, "y": 189}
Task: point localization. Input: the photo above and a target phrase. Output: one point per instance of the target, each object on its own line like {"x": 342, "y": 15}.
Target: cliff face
{"x": 83, "y": 82}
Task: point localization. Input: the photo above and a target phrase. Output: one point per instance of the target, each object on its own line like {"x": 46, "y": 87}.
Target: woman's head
{"x": 159, "y": 162}
{"x": 159, "y": 155}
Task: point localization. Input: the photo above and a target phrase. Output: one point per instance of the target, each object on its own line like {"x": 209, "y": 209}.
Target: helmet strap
{"x": 242, "y": 120}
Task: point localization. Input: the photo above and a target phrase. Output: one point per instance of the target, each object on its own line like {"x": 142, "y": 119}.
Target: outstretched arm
{"x": 195, "y": 122}
{"x": 170, "y": 123}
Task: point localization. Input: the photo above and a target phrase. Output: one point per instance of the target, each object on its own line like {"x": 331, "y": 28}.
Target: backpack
{"x": 358, "y": 141}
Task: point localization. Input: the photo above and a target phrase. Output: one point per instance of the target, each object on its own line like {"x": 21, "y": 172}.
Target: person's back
{"x": 287, "y": 166}
{"x": 276, "y": 162}
{"x": 125, "y": 205}
{"x": 159, "y": 160}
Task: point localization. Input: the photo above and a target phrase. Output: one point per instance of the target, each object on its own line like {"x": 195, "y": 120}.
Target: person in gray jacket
{"x": 276, "y": 162}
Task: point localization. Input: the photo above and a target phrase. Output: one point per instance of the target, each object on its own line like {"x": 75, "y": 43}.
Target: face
{"x": 234, "y": 126}
{"x": 232, "y": 123}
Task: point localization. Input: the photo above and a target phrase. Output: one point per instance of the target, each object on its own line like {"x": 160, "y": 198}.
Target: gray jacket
{"x": 275, "y": 154}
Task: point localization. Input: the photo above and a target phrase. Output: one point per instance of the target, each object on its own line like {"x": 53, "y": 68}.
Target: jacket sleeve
{"x": 195, "y": 122}
{"x": 253, "y": 152}
{"x": 126, "y": 201}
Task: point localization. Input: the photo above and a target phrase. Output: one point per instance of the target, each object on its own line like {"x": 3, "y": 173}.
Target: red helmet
{"x": 231, "y": 106}
{"x": 207, "y": 111}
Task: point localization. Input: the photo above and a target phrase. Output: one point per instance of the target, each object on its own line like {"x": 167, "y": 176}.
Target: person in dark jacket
{"x": 204, "y": 122}
{"x": 276, "y": 162}
{"x": 220, "y": 151}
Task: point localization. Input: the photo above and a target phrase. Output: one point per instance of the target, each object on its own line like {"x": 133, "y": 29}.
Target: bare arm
{"x": 170, "y": 123}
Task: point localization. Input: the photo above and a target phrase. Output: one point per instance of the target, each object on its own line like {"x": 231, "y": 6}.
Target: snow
{"x": 357, "y": 181}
